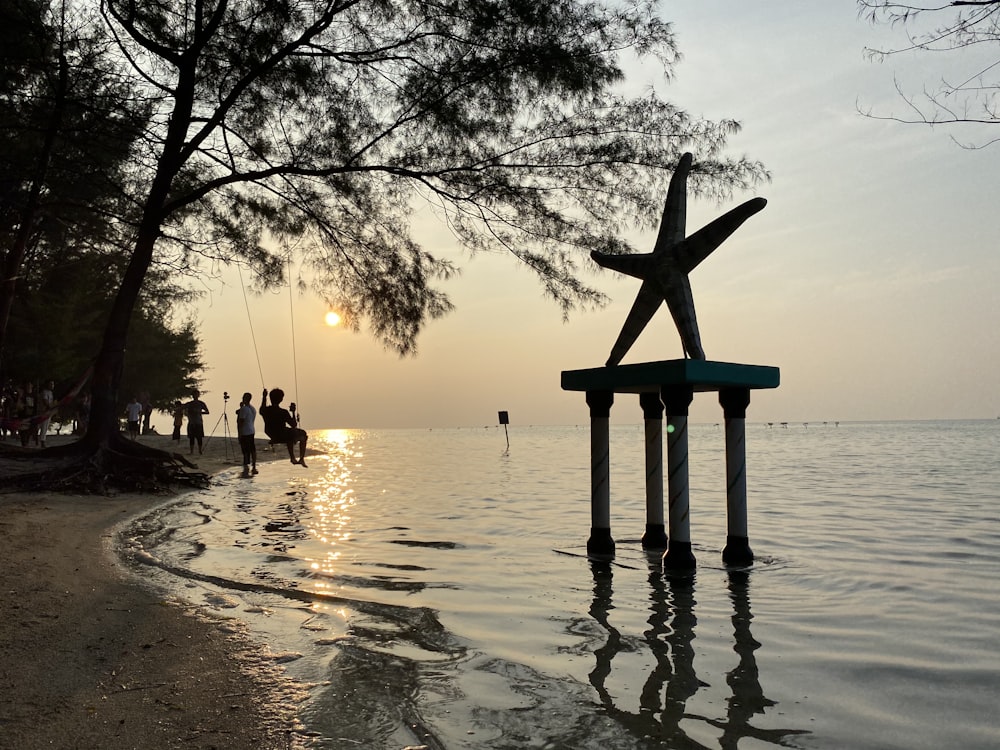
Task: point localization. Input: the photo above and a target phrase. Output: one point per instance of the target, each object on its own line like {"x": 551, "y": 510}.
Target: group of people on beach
{"x": 280, "y": 425}
{"x": 26, "y": 411}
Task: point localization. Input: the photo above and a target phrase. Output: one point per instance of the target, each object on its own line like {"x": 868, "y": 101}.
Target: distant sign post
{"x": 505, "y": 420}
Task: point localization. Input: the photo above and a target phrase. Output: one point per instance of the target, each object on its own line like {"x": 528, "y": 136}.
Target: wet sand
{"x": 91, "y": 658}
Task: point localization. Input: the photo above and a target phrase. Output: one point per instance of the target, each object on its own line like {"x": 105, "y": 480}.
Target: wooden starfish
{"x": 664, "y": 272}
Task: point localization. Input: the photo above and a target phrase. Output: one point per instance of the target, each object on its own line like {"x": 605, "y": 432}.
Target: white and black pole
{"x": 677, "y": 400}
{"x": 600, "y": 543}
{"x": 734, "y": 403}
{"x": 655, "y": 536}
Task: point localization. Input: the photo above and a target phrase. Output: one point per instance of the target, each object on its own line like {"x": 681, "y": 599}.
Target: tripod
{"x": 224, "y": 419}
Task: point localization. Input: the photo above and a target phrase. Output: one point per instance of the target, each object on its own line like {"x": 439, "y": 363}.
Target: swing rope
{"x": 291, "y": 315}
{"x": 250, "y": 321}
{"x": 253, "y": 337}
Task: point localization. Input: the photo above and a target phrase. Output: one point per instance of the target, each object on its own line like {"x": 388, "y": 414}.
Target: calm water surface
{"x": 432, "y": 589}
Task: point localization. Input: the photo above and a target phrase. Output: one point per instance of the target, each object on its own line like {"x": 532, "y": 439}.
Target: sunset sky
{"x": 870, "y": 279}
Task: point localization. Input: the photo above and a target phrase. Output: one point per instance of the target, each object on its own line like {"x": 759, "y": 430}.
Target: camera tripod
{"x": 224, "y": 420}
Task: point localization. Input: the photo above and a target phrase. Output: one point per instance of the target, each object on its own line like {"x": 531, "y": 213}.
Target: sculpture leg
{"x": 600, "y": 542}
{"x": 678, "y": 556}
{"x": 655, "y": 537}
{"x": 734, "y": 403}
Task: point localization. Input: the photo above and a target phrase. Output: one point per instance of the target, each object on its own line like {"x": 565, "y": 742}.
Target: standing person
{"x": 26, "y": 408}
{"x": 6, "y": 410}
{"x": 246, "y": 415}
{"x": 178, "y": 421}
{"x": 194, "y": 409}
{"x": 48, "y": 400}
{"x": 147, "y": 411}
{"x": 133, "y": 413}
{"x": 280, "y": 426}
{"x": 83, "y": 414}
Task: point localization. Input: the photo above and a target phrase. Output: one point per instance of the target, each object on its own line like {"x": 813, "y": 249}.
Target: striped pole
{"x": 678, "y": 556}
{"x": 655, "y": 537}
{"x": 734, "y": 403}
{"x": 600, "y": 543}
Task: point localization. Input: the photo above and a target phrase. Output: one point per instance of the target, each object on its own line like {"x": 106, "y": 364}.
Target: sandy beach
{"x": 92, "y": 658}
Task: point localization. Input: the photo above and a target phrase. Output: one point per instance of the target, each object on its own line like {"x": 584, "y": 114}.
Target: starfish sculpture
{"x": 664, "y": 272}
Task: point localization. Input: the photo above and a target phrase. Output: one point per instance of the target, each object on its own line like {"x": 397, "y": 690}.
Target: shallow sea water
{"x": 432, "y": 588}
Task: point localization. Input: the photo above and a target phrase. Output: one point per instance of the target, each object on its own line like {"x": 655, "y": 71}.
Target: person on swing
{"x": 281, "y": 427}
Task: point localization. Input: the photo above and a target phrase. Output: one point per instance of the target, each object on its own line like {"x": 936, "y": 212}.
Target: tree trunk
{"x": 103, "y": 425}
{"x": 104, "y": 457}
{"x": 104, "y": 409}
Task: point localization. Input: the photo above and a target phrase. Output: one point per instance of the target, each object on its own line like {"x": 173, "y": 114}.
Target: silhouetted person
{"x": 48, "y": 400}
{"x": 83, "y": 414}
{"x": 194, "y": 409}
{"x": 178, "y": 421}
{"x": 133, "y": 413}
{"x": 25, "y": 408}
{"x": 280, "y": 425}
{"x": 245, "y": 417}
{"x": 147, "y": 411}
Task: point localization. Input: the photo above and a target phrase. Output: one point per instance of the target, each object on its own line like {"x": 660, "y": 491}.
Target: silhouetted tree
{"x": 317, "y": 126}
{"x": 57, "y": 323}
{"x": 971, "y": 98}
{"x": 66, "y": 129}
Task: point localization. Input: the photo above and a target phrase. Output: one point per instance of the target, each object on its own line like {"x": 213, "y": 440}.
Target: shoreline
{"x": 90, "y": 657}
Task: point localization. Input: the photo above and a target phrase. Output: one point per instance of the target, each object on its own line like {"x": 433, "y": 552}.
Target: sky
{"x": 869, "y": 280}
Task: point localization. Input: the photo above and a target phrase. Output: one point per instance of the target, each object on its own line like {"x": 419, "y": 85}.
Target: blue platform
{"x": 649, "y": 377}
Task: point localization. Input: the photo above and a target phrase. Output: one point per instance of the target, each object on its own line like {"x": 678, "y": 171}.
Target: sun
{"x": 332, "y": 318}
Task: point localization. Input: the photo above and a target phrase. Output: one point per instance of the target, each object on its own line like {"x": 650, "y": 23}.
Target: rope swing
{"x": 291, "y": 315}
{"x": 250, "y": 321}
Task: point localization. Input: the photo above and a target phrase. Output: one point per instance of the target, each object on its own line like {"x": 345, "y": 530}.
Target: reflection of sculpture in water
{"x": 673, "y": 680}
{"x": 664, "y": 272}
{"x": 744, "y": 679}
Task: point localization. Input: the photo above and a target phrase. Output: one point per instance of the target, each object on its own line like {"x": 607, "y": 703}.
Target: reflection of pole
{"x": 748, "y": 697}
{"x": 664, "y": 713}
{"x": 656, "y": 637}
{"x": 655, "y": 537}
{"x": 744, "y": 679}
{"x": 600, "y": 609}
{"x": 684, "y": 683}
{"x": 734, "y": 404}
{"x": 677, "y": 399}
{"x": 662, "y": 702}
{"x": 600, "y": 542}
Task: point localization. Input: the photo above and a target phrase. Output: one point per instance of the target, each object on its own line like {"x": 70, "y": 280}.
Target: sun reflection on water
{"x": 332, "y": 498}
